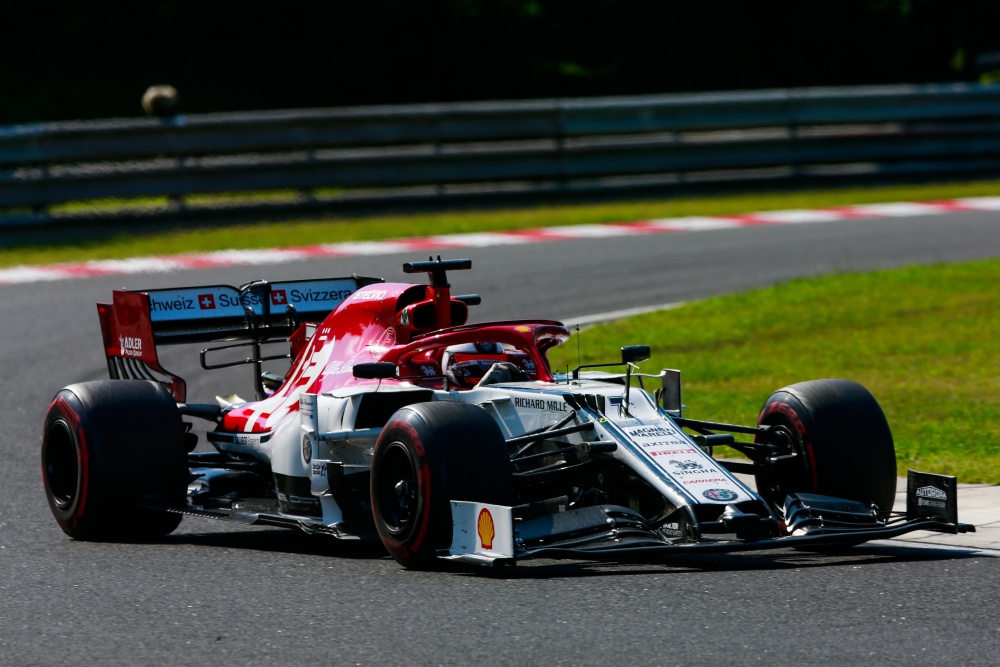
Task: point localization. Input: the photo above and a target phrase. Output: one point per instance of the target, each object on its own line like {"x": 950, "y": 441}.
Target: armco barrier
{"x": 370, "y": 159}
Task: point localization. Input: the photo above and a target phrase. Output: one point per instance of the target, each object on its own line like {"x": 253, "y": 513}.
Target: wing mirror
{"x": 635, "y": 353}
{"x": 630, "y": 355}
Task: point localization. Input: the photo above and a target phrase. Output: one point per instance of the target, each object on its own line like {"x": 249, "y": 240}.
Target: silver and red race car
{"x": 398, "y": 421}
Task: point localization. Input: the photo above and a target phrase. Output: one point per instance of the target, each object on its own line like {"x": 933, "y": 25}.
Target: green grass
{"x": 133, "y": 242}
{"x": 924, "y": 340}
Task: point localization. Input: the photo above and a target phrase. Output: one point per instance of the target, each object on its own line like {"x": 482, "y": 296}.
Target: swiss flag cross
{"x": 206, "y": 301}
{"x": 278, "y": 297}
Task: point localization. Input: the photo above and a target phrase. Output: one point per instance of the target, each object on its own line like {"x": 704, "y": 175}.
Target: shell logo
{"x": 485, "y": 528}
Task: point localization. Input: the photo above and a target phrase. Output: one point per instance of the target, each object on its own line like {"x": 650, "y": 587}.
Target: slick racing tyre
{"x": 427, "y": 455}
{"x": 112, "y": 453}
{"x": 842, "y": 441}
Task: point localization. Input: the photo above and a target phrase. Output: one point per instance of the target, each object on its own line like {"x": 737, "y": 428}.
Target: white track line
{"x": 587, "y": 320}
{"x": 167, "y": 263}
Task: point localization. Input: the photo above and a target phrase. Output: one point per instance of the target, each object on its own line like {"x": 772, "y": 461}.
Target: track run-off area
{"x": 215, "y": 593}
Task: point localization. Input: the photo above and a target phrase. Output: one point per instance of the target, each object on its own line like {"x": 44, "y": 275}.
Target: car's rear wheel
{"x": 427, "y": 455}
{"x": 113, "y": 456}
{"x": 841, "y": 440}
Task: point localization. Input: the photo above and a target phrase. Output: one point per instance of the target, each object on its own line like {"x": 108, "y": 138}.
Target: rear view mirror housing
{"x": 635, "y": 353}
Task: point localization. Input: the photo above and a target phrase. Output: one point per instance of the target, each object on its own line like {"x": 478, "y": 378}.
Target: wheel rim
{"x": 396, "y": 490}
{"x": 62, "y": 465}
{"x": 774, "y": 487}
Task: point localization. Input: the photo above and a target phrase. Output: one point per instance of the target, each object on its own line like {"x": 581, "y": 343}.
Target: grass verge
{"x": 135, "y": 242}
{"x": 924, "y": 340}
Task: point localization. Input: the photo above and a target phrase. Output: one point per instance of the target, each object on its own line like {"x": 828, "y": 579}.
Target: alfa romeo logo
{"x": 724, "y": 495}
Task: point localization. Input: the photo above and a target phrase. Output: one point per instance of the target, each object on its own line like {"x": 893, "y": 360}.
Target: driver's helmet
{"x": 466, "y": 364}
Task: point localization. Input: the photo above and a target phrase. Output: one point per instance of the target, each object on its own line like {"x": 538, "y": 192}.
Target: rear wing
{"x": 136, "y": 322}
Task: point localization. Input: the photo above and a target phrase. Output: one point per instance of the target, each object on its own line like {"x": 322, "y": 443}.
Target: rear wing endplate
{"x": 136, "y": 322}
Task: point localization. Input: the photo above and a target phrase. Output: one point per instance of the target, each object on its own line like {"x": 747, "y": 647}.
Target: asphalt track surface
{"x": 214, "y": 593}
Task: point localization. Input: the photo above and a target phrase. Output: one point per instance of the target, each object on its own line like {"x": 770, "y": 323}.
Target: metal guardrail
{"x": 371, "y": 159}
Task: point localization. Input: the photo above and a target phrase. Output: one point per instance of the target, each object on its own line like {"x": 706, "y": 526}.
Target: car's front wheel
{"x": 427, "y": 455}
{"x": 840, "y": 440}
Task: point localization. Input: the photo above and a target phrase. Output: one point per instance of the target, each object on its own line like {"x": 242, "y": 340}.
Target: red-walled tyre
{"x": 842, "y": 440}
{"x": 112, "y": 452}
{"x": 427, "y": 455}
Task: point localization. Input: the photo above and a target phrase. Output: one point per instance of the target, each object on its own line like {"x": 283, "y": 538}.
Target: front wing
{"x": 489, "y": 534}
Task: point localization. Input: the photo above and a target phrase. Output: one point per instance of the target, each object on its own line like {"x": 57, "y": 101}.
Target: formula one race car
{"x": 398, "y": 421}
